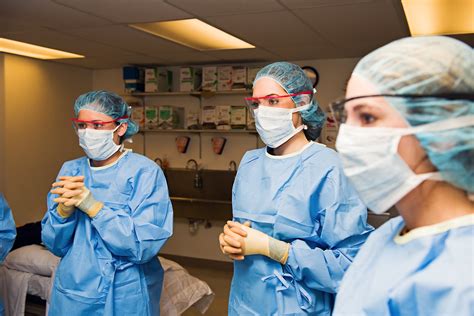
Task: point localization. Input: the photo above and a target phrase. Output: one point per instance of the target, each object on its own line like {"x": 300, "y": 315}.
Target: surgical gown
{"x": 7, "y": 233}
{"x": 303, "y": 199}
{"x": 109, "y": 263}
{"x": 428, "y": 271}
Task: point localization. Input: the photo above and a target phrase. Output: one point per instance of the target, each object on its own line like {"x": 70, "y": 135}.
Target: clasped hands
{"x": 73, "y": 193}
{"x": 239, "y": 240}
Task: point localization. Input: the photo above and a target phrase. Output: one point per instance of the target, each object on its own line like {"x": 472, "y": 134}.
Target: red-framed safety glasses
{"x": 274, "y": 99}
{"x": 95, "y": 124}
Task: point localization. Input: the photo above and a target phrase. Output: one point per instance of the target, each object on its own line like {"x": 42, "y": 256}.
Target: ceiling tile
{"x": 371, "y": 25}
{"x": 47, "y": 14}
{"x": 206, "y": 8}
{"x": 277, "y": 32}
{"x": 304, "y": 4}
{"x": 8, "y": 25}
{"x": 72, "y": 44}
{"x": 126, "y": 11}
{"x": 136, "y": 41}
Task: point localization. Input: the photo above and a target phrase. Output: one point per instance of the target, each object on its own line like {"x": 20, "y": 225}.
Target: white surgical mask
{"x": 98, "y": 144}
{"x": 275, "y": 125}
{"x": 373, "y": 165}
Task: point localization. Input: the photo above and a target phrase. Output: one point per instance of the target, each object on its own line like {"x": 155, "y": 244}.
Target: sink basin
{"x": 212, "y": 200}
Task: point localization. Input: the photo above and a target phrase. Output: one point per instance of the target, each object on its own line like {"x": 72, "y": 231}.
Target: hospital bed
{"x": 29, "y": 270}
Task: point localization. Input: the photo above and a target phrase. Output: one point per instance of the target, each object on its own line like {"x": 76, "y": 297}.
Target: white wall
{"x": 36, "y": 134}
{"x": 204, "y": 243}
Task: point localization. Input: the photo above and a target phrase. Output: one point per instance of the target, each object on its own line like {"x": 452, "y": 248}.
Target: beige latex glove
{"x": 73, "y": 193}
{"x": 256, "y": 242}
{"x": 229, "y": 242}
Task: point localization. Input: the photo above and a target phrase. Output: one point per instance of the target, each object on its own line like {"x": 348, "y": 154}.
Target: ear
{"x": 122, "y": 129}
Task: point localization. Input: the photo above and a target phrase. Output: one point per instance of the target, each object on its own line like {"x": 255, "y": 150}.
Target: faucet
{"x": 232, "y": 166}
{"x": 197, "y": 176}
{"x": 195, "y": 164}
{"x": 158, "y": 161}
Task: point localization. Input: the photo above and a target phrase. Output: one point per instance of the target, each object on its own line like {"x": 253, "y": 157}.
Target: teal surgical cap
{"x": 428, "y": 66}
{"x": 107, "y": 103}
{"x": 293, "y": 80}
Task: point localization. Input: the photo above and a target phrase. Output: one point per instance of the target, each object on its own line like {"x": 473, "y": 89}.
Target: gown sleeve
{"x": 340, "y": 229}
{"x": 137, "y": 235}
{"x": 7, "y": 228}
{"x": 57, "y": 233}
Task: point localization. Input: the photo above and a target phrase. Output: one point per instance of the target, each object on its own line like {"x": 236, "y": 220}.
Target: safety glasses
{"x": 339, "y": 113}
{"x": 95, "y": 124}
{"x": 275, "y": 100}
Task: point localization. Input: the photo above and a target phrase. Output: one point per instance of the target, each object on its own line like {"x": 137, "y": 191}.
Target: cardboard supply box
{"x": 239, "y": 78}
{"x": 138, "y": 114}
{"x": 238, "y": 116}
{"x": 134, "y": 79}
{"x": 151, "y": 80}
{"x": 223, "y": 116}
{"x": 224, "y": 78}
{"x": 170, "y": 117}
{"x": 189, "y": 79}
{"x": 209, "y": 78}
{"x": 151, "y": 117}
{"x": 192, "y": 120}
{"x": 209, "y": 117}
{"x": 251, "y": 74}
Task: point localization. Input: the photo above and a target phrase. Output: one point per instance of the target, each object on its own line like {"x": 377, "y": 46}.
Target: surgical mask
{"x": 275, "y": 125}
{"x": 373, "y": 165}
{"x": 98, "y": 144}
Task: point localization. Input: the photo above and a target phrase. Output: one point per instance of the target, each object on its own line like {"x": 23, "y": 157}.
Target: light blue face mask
{"x": 98, "y": 144}
{"x": 275, "y": 125}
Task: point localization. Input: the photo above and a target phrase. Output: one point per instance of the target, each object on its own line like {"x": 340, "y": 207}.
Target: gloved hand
{"x": 229, "y": 244}
{"x": 74, "y": 193}
{"x": 255, "y": 242}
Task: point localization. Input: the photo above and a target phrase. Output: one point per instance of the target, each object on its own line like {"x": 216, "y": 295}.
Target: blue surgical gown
{"x": 7, "y": 233}
{"x": 429, "y": 273}
{"x": 109, "y": 263}
{"x": 303, "y": 199}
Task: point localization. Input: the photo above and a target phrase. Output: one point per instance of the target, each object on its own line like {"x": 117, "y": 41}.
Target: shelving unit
{"x": 200, "y": 95}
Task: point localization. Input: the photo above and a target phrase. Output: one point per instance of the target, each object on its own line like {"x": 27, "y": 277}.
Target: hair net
{"x": 109, "y": 104}
{"x": 430, "y": 65}
{"x": 293, "y": 80}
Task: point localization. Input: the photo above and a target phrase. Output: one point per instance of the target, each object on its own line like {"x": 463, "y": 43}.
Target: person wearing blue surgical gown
{"x": 108, "y": 247}
{"x": 7, "y": 233}
{"x": 422, "y": 262}
{"x": 300, "y": 198}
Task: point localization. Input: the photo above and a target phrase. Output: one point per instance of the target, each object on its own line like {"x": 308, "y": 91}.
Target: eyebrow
{"x": 360, "y": 107}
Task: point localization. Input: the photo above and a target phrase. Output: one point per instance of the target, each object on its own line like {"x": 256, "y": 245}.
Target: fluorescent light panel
{"x": 436, "y": 17}
{"x": 35, "y": 51}
{"x": 193, "y": 33}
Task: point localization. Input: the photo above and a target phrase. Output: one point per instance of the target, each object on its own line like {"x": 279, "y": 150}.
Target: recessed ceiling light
{"x": 193, "y": 33}
{"x": 35, "y": 51}
{"x": 436, "y": 17}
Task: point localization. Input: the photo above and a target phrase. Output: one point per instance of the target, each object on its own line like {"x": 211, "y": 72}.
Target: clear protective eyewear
{"x": 95, "y": 124}
{"x": 275, "y": 99}
{"x": 339, "y": 113}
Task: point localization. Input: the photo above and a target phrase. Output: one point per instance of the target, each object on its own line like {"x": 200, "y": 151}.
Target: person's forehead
{"x": 90, "y": 115}
{"x": 265, "y": 86}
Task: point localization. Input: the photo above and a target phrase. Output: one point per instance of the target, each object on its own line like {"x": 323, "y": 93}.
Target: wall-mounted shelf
{"x": 220, "y": 131}
{"x": 204, "y": 94}
{"x": 200, "y": 95}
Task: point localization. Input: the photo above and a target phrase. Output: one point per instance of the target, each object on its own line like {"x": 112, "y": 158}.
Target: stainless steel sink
{"x": 201, "y": 194}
